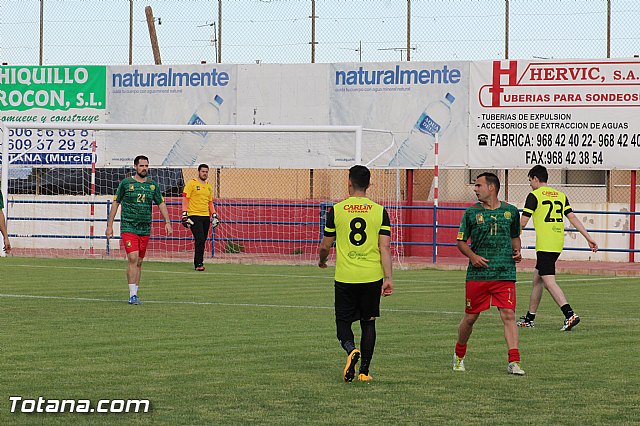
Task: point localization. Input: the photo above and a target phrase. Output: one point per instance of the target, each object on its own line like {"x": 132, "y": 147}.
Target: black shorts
{"x": 546, "y": 262}
{"x": 357, "y": 301}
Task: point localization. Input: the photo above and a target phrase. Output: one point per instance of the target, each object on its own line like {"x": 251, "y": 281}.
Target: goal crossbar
{"x": 250, "y": 128}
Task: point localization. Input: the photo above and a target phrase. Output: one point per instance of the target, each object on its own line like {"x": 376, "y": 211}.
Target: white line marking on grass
{"x": 204, "y": 275}
{"x": 255, "y": 305}
{"x": 245, "y": 305}
{"x": 426, "y": 281}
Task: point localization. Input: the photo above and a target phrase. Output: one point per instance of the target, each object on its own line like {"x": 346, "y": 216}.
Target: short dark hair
{"x": 202, "y": 166}
{"x": 360, "y": 176}
{"x": 540, "y": 172}
{"x": 138, "y": 158}
{"x": 491, "y": 179}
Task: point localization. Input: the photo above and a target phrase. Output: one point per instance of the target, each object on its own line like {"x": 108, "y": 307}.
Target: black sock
{"x": 345, "y": 335}
{"x": 367, "y": 344}
{"x": 530, "y": 316}
{"x": 364, "y": 366}
{"x": 566, "y": 310}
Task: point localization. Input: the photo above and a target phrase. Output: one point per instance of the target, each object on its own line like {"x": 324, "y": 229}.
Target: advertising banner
{"x": 168, "y": 94}
{"x": 57, "y": 95}
{"x": 561, "y": 114}
{"x": 488, "y": 114}
{"x": 415, "y": 100}
{"x": 414, "y": 103}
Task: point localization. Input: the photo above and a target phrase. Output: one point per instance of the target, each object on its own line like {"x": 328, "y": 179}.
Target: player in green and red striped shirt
{"x": 137, "y": 194}
{"x": 493, "y": 227}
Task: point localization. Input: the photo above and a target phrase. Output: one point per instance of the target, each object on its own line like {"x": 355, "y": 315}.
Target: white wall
{"x": 27, "y": 229}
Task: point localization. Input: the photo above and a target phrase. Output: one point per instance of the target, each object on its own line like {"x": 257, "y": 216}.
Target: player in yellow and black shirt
{"x": 136, "y": 194}
{"x": 548, "y": 207}
{"x": 362, "y": 232}
{"x": 198, "y": 212}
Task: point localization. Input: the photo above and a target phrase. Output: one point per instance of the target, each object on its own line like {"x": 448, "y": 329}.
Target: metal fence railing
{"x": 278, "y": 31}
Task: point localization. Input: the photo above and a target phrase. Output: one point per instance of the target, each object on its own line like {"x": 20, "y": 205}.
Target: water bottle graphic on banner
{"x": 435, "y": 119}
{"x": 186, "y": 149}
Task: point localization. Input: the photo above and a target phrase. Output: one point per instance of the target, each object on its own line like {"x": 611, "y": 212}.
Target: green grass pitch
{"x": 246, "y": 344}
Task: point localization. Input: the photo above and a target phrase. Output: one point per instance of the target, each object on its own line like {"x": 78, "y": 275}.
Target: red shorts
{"x": 481, "y": 295}
{"x": 133, "y": 242}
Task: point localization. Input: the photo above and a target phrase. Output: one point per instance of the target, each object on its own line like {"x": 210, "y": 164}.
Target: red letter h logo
{"x": 496, "y": 88}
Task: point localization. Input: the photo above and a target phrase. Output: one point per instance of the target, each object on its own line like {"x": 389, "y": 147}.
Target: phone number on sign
{"x": 588, "y": 140}
{"x": 49, "y": 140}
{"x": 559, "y": 157}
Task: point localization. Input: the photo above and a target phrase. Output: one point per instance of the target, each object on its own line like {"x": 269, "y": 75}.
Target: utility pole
{"x": 401, "y": 50}
{"x": 212, "y": 40}
{"x": 608, "y": 28}
{"x": 41, "y": 30}
{"x": 152, "y": 35}
{"x": 506, "y": 29}
{"x": 359, "y": 50}
{"x": 130, "y": 32}
{"x": 219, "y": 55}
{"x": 408, "y": 30}
{"x": 313, "y": 31}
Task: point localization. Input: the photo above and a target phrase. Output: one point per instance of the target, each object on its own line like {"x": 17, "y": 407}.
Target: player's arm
{"x": 464, "y": 248}
{"x": 215, "y": 220}
{"x": 185, "y": 202}
{"x": 516, "y": 246}
{"x": 185, "y": 206}
{"x": 167, "y": 220}
{"x": 580, "y": 227}
{"x": 384, "y": 244}
{"x": 476, "y": 261}
{"x": 516, "y": 242}
{"x": 3, "y": 230}
{"x": 530, "y": 206}
{"x": 328, "y": 239}
{"x": 325, "y": 250}
{"x": 112, "y": 217}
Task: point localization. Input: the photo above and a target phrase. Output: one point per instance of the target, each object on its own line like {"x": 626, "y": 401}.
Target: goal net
{"x": 272, "y": 186}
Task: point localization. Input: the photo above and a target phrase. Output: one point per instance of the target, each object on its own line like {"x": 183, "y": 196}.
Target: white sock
{"x": 133, "y": 290}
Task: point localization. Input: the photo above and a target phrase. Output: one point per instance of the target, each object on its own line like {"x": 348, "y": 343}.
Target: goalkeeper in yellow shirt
{"x": 198, "y": 212}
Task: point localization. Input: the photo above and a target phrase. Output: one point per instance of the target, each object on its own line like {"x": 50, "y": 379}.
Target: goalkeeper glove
{"x": 214, "y": 220}
{"x": 186, "y": 221}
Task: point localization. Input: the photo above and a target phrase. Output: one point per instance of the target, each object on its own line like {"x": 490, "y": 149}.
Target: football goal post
{"x": 273, "y": 185}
